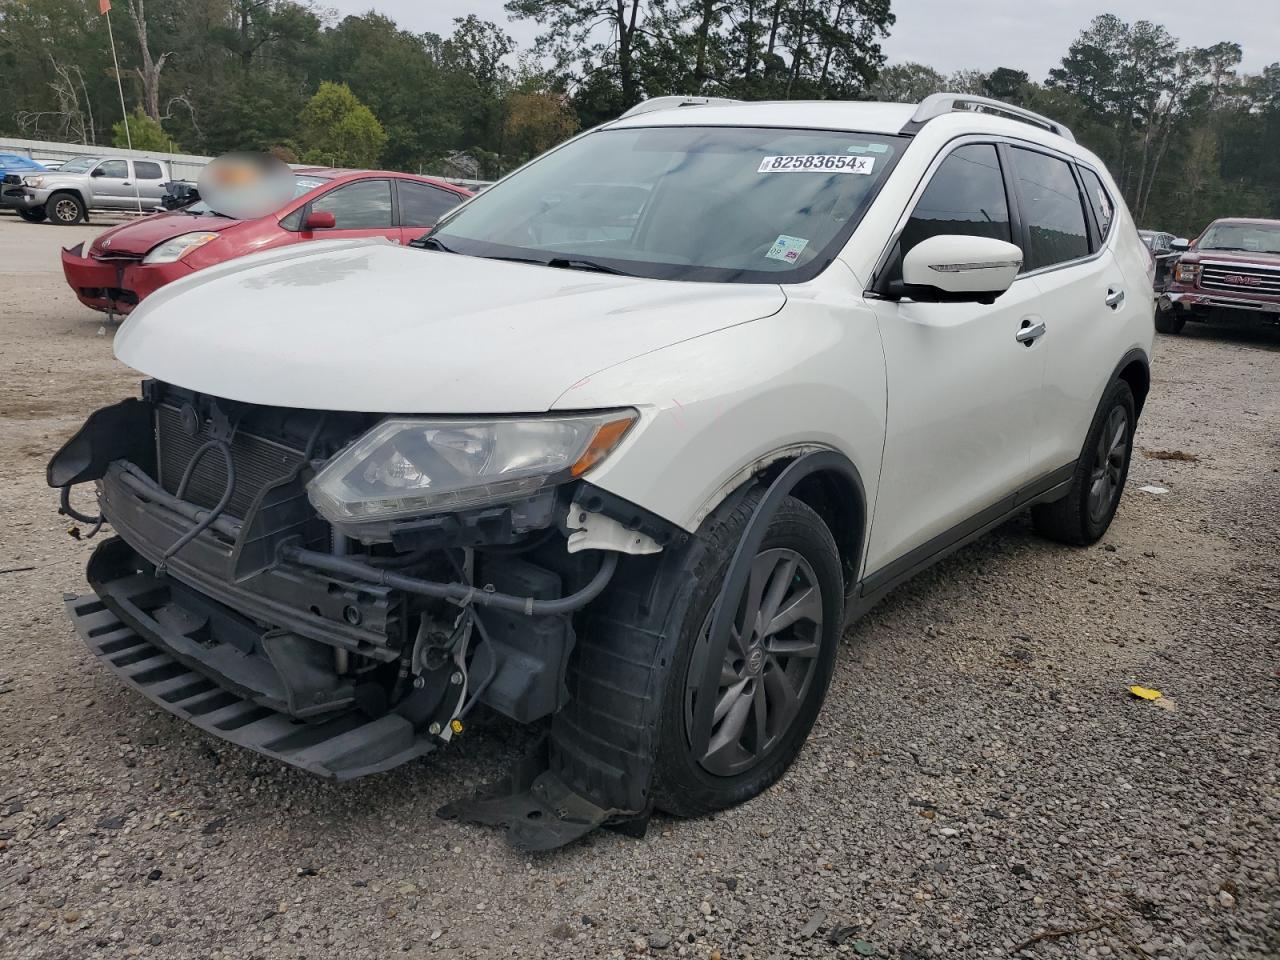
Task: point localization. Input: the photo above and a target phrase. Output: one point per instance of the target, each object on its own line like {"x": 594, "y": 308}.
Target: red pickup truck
{"x": 1231, "y": 273}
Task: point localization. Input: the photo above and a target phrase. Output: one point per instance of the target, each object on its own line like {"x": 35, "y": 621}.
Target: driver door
{"x": 963, "y": 389}
{"x": 112, "y": 187}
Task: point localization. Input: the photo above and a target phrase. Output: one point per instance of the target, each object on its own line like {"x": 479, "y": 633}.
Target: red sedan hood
{"x": 138, "y": 237}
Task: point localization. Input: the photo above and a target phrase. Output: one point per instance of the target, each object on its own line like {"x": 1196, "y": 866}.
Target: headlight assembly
{"x": 178, "y": 247}
{"x": 33, "y": 181}
{"x": 409, "y": 467}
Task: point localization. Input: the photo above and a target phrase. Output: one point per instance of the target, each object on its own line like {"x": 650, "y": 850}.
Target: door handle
{"x": 1030, "y": 331}
{"x": 1114, "y": 298}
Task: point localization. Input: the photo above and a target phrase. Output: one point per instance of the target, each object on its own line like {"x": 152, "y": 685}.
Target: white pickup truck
{"x": 66, "y": 195}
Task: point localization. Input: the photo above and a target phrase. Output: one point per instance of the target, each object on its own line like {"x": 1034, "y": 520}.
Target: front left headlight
{"x": 410, "y": 467}
{"x": 36, "y": 181}
{"x": 178, "y": 247}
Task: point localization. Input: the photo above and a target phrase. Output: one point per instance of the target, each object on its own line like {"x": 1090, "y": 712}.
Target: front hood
{"x": 139, "y": 236}
{"x": 1241, "y": 257}
{"x": 366, "y": 325}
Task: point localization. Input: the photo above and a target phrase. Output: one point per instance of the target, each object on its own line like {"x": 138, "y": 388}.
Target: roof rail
{"x": 654, "y": 104}
{"x": 938, "y": 104}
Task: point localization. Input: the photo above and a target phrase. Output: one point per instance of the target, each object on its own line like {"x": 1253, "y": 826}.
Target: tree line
{"x": 1188, "y": 135}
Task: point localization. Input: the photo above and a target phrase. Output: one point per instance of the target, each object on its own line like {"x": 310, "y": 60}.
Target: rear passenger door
{"x": 149, "y": 177}
{"x": 362, "y": 208}
{"x": 1085, "y": 299}
{"x": 421, "y": 206}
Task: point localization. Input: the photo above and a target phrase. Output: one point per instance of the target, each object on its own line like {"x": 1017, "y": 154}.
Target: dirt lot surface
{"x": 980, "y": 782}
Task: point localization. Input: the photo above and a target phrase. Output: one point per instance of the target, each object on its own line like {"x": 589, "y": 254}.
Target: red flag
{"x": 104, "y": 6}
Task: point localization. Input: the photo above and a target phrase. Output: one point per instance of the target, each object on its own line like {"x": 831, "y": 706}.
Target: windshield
{"x": 729, "y": 204}
{"x": 301, "y": 185}
{"x": 77, "y": 165}
{"x": 1249, "y": 237}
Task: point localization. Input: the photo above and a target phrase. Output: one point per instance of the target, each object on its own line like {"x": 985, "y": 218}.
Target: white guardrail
{"x": 184, "y": 166}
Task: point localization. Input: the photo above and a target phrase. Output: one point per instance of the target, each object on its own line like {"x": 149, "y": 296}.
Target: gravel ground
{"x": 980, "y": 782}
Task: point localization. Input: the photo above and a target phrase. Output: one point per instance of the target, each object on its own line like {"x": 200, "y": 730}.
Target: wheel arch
{"x": 1134, "y": 369}
{"x": 835, "y": 493}
{"x": 74, "y": 191}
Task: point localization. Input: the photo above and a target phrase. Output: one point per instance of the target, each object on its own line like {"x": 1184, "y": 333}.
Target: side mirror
{"x": 320, "y": 220}
{"x": 958, "y": 269}
{"x": 98, "y": 172}
{"x": 1180, "y": 244}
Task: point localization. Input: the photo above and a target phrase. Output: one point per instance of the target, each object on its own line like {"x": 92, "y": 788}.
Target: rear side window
{"x": 1052, "y": 209}
{"x": 115, "y": 169}
{"x": 966, "y": 196}
{"x": 421, "y": 205}
{"x": 363, "y": 205}
{"x": 146, "y": 170}
{"x": 1104, "y": 210}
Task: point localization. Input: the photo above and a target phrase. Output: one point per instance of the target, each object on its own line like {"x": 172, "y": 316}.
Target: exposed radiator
{"x": 257, "y": 462}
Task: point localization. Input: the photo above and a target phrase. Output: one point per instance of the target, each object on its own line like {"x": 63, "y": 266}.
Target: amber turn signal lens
{"x": 607, "y": 436}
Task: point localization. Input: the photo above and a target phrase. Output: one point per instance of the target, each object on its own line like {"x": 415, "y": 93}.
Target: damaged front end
{"x": 339, "y": 590}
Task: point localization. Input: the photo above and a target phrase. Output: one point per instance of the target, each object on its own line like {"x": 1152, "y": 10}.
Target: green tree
{"x": 338, "y": 130}
{"x": 143, "y": 133}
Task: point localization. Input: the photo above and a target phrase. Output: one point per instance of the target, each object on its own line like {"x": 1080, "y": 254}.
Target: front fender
{"x": 717, "y": 408}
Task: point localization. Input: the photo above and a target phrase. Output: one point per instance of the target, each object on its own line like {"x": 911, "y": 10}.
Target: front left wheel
{"x": 32, "y": 214}
{"x": 734, "y": 719}
{"x": 65, "y": 209}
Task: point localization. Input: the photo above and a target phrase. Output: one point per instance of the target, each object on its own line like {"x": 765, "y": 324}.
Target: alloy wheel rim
{"x": 768, "y": 668}
{"x": 66, "y": 210}
{"x": 1110, "y": 457}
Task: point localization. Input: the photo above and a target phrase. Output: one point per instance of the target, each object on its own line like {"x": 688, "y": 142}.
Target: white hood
{"x": 370, "y": 326}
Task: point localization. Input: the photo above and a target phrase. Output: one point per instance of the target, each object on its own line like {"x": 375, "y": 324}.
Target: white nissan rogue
{"x": 618, "y": 450}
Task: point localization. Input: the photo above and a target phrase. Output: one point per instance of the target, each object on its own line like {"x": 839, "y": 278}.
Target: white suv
{"x": 620, "y": 449}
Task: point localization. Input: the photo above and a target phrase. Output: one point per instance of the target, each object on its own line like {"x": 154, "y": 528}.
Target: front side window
{"x": 422, "y": 205}
{"x": 1103, "y": 209}
{"x": 965, "y": 196}
{"x": 146, "y": 170}
{"x": 363, "y": 205}
{"x": 726, "y": 204}
{"x": 1052, "y": 208}
{"x": 113, "y": 169}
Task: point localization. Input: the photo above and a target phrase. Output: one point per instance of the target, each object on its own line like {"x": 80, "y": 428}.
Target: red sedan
{"x": 124, "y": 264}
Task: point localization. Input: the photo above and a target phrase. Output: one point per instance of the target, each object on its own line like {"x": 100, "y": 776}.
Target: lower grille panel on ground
{"x": 344, "y": 747}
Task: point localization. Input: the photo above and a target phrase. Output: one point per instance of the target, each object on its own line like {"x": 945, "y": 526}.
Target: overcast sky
{"x": 950, "y": 35}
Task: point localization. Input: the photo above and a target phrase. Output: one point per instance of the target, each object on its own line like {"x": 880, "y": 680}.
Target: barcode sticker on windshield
{"x": 817, "y": 163}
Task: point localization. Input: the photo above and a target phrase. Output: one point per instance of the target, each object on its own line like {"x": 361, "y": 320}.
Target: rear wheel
{"x": 1169, "y": 322}
{"x": 32, "y": 214}
{"x": 1085, "y": 513}
{"x": 766, "y": 688}
{"x": 65, "y": 209}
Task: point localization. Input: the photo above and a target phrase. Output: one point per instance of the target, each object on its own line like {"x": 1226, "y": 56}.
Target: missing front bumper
{"x": 162, "y": 664}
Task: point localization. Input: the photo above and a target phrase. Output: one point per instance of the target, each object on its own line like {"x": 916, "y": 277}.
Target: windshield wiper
{"x": 574, "y": 263}
{"x": 431, "y": 243}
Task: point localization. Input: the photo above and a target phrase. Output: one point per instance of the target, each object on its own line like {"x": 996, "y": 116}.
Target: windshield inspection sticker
{"x": 817, "y": 163}
{"x": 787, "y": 248}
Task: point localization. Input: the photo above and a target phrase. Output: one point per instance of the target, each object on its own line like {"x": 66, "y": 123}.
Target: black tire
{"x": 1169, "y": 322}
{"x": 65, "y": 209}
{"x": 32, "y": 214}
{"x": 682, "y": 784}
{"x": 1085, "y": 513}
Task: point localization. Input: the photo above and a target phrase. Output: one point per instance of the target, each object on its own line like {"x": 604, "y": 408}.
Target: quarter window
{"x": 421, "y": 205}
{"x": 115, "y": 169}
{"x": 1052, "y": 208}
{"x": 145, "y": 170}
{"x": 363, "y": 205}
{"x": 966, "y": 196}
{"x": 1103, "y": 209}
